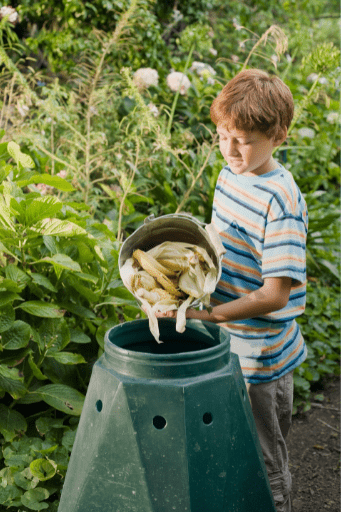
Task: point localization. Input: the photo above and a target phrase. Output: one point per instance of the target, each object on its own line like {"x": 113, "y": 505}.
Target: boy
{"x": 262, "y": 220}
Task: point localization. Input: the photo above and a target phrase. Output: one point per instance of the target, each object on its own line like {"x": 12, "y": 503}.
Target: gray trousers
{"x": 271, "y": 405}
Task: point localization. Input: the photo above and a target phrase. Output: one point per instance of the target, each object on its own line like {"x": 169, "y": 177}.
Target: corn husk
{"x": 170, "y": 277}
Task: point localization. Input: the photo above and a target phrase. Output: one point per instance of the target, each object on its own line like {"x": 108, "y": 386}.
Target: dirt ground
{"x": 314, "y": 453}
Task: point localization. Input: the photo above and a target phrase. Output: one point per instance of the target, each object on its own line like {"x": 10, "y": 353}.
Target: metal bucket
{"x": 174, "y": 228}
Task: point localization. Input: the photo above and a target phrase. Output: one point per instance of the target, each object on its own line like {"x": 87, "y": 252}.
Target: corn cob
{"x": 149, "y": 264}
{"x": 177, "y": 266}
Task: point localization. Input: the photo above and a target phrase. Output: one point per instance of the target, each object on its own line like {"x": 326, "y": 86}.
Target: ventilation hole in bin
{"x": 99, "y": 405}
{"x": 159, "y": 422}
{"x": 207, "y": 418}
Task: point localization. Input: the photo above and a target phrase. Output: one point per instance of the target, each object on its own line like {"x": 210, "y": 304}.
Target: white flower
{"x": 306, "y": 132}
{"x": 9, "y": 11}
{"x": 288, "y": 57}
{"x": 213, "y": 51}
{"x": 201, "y": 67}
{"x": 146, "y": 77}
{"x": 312, "y": 77}
{"x": 22, "y": 109}
{"x": 333, "y": 117}
{"x": 234, "y": 58}
{"x": 205, "y": 71}
{"x": 177, "y": 80}
{"x": 236, "y": 25}
{"x": 274, "y": 59}
{"x": 62, "y": 174}
{"x": 241, "y": 44}
{"x": 153, "y": 108}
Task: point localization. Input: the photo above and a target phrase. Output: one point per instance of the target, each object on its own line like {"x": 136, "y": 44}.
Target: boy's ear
{"x": 281, "y": 137}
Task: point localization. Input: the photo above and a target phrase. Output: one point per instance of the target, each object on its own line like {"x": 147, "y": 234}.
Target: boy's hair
{"x": 254, "y": 100}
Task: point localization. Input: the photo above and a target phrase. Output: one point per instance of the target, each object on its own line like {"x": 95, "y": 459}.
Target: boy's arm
{"x": 272, "y": 296}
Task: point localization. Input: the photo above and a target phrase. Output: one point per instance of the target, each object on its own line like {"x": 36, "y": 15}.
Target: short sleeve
{"x": 284, "y": 250}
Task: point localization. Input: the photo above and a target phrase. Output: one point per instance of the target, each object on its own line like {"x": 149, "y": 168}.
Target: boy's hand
{"x": 167, "y": 314}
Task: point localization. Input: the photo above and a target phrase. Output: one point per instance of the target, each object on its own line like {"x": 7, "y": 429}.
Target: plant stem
{"x": 197, "y": 177}
{"x": 126, "y": 192}
{"x": 175, "y": 101}
{"x": 91, "y": 101}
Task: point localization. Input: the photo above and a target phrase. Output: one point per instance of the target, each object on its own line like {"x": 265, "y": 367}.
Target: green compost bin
{"x": 166, "y": 427}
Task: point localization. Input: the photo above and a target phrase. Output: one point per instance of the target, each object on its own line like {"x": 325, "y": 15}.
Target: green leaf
{"x": 42, "y": 280}
{"x": 41, "y": 309}
{"x": 55, "y": 334}
{"x": 15, "y": 273}
{"x": 78, "y": 310}
{"x": 25, "y": 479}
{"x": 6, "y": 297}
{"x": 5, "y": 216}
{"x": 67, "y": 357}
{"x": 35, "y": 370}
{"x": 20, "y": 158}
{"x": 69, "y": 439}
{"x": 12, "y": 423}
{"x": 61, "y": 397}
{"x": 41, "y": 208}
{"x": 61, "y": 261}
{"x": 45, "y": 425}
{"x": 49, "y": 227}
{"x": 52, "y": 181}
{"x": 44, "y": 469}
{"x": 17, "y": 336}
{"x": 33, "y": 498}
{"x": 78, "y": 336}
{"x": 9, "y": 494}
{"x": 12, "y": 381}
{"x": 7, "y": 317}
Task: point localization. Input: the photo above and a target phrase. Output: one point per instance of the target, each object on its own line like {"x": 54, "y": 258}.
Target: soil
{"x": 314, "y": 453}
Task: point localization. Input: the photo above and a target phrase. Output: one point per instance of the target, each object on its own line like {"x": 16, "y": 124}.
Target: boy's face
{"x": 248, "y": 153}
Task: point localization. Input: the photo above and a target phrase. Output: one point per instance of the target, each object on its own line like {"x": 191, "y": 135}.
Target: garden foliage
{"x": 89, "y": 148}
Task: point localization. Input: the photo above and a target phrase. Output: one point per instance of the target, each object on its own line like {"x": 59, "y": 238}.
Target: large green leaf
{"x": 17, "y": 336}
{"x": 67, "y": 357}
{"x": 55, "y": 333}
{"x": 11, "y": 423}
{"x": 43, "y": 469}
{"x": 33, "y": 499}
{"x": 52, "y": 181}
{"x": 41, "y": 208}
{"x": 8, "y": 494}
{"x": 7, "y": 317}
{"x": 42, "y": 280}
{"x": 7, "y": 297}
{"x": 61, "y": 261}
{"x": 42, "y": 309}
{"x": 15, "y": 273}
{"x": 12, "y": 382}
{"x": 58, "y": 227}
{"x": 20, "y": 158}
{"x": 61, "y": 397}
{"x": 5, "y": 216}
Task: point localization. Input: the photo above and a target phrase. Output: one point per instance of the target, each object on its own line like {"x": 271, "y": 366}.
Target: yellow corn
{"x": 150, "y": 265}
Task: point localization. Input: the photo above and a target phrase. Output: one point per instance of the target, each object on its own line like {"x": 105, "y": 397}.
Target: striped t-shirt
{"x": 262, "y": 221}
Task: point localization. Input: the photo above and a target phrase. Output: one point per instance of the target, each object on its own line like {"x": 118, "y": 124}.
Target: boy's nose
{"x": 231, "y": 148}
